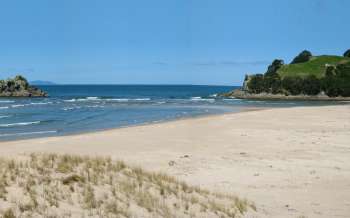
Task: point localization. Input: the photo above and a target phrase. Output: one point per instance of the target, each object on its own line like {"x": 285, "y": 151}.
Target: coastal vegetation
{"x": 19, "y": 87}
{"x": 51, "y": 185}
{"x": 306, "y": 75}
{"x": 347, "y": 53}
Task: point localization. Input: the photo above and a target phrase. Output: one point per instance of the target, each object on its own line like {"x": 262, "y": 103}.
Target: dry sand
{"x": 291, "y": 162}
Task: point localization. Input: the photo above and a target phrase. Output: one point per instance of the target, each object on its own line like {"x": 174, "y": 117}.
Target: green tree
{"x": 311, "y": 85}
{"x": 256, "y": 84}
{"x": 272, "y": 83}
{"x": 293, "y": 85}
{"x": 304, "y": 56}
{"x": 337, "y": 80}
{"x": 273, "y": 67}
{"x": 342, "y": 73}
{"x": 347, "y": 53}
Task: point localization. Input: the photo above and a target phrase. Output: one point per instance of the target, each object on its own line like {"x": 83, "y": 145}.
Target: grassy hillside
{"x": 316, "y": 66}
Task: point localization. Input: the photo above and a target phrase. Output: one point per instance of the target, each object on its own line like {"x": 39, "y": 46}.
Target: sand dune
{"x": 291, "y": 162}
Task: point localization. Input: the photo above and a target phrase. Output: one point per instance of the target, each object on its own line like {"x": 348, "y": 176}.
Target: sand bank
{"x": 290, "y": 162}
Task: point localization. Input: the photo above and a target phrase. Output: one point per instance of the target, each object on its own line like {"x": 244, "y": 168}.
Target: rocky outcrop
{"x": 19, "y": 87}
{"x": 241, "y": 94}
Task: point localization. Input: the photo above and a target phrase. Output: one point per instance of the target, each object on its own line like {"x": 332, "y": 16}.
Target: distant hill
{"x": 306, "y": 77}
{"x": 41, "y": 82}
{"x": 315, "y": 66}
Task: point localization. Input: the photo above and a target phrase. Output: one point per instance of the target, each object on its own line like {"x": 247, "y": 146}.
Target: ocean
{"x": 72, "y": 109}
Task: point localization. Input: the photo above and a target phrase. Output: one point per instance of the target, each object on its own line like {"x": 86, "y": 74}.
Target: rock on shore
{"x": 19, "y": 87}
{"x": 243, "y": 94}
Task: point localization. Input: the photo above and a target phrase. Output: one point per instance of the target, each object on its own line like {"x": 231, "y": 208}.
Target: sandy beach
{"x": 291, "y": 162}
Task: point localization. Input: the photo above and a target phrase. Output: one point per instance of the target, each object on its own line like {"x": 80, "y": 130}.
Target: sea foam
{"x": 19, "y": 124}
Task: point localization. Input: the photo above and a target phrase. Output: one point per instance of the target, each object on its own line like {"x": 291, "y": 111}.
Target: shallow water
{"x": 82, "y": 108}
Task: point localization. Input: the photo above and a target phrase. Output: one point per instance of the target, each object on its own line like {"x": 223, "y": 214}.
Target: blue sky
{"x": 163, "y": 41}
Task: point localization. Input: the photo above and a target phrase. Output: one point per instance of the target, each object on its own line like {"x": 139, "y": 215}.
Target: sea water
{"x": 74, "y": 109}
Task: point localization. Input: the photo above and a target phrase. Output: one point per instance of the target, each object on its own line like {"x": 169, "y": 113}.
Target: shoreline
{"x": 289, "y": 161}
{"x": 245, "y": 109}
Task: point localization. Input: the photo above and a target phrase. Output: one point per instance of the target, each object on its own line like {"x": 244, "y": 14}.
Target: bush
{"x": 304, "y": 56}
{"x": 342, "y": 73}
{"x": 347, "y": 53}
{"x": 330, "y": 86}
{"x": 330, "y": 70}
{"x": 337, "y": 81}
{"x": 311, "y": 85}
{"x": 272, "y": 84}
{"x": 256, "y": 84}
{"x": 272, "y": 68}
{"x": 294, "y": 85}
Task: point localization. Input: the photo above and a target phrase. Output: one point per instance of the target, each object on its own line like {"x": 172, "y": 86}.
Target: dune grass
{"x": 50, "y": 185}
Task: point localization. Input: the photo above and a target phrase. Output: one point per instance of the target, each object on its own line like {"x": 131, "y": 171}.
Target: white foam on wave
{"x": 196, "y": 98}
{"x": 19, "y": 124}
{"x": 95, "y": 106}
{"x": 126, "y": 99}
{"x": 27, "y": 133}
{"x": 41, "y": 103}
{"x": 83, "y": 99}
{"x": 89, "y": 99}
{"x": 70, "y": 100}
{"x": 92, "y": 98}
{"x": 106, "y": 99}
{"x": 18, "y": 105}
{"x": 7, "y": 101}
{"x": 161, "y": 102}
{"x": 232, "y": 99}
{"x": 71, "y": 108}
{"x": 6, "y": 107}
{"x": 142, "y": 99}
{"x": 4, "y": 116}
{"x": 202, "y": 99}
{"x": 117, "y": 99}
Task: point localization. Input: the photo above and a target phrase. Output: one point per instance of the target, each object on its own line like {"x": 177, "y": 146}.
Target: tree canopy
{"x": 347, "y": 53}
{"x": 304, "y": 56}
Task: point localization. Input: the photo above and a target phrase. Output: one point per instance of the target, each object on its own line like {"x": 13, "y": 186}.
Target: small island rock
{"x": 19, "y": 87}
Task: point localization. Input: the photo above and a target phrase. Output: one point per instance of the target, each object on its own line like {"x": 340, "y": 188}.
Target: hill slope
{"x": 316, "y": 66}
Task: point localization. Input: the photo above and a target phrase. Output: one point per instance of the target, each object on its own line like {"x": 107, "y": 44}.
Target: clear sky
{"x": 163, "y": 41}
